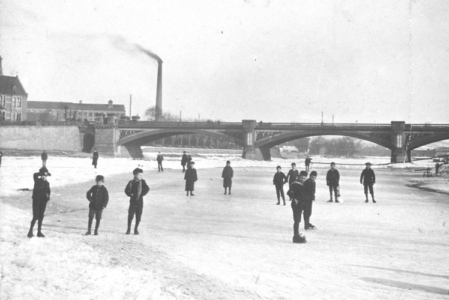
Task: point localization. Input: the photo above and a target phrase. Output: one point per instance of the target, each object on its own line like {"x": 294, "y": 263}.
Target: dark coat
{"x": 131, "y": 190}
{"x": 227, "y": 175}
{"x": 98, "y": 197}
{"x": 333, "y": 177}
{"x": 95, "y": 158}
{"x": 292, "y": 175}
{"x": 184, "y": 160}
{"x": 368, "y": 177}
{"x": 190, "y": 177}
{"x": 308, "y": 161}
{"x": 279, "y": 179}
{"x": 310, "y": 188}
{"x": 41, "y": 190}
{"x": 297, "y": 191}
{"x": 160, "y": 158}
{"x": 44, "y": 156}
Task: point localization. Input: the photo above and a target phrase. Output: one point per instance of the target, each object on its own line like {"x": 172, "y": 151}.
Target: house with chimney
{"x": 69, "y": 111}
{"x": 13, "y": 98}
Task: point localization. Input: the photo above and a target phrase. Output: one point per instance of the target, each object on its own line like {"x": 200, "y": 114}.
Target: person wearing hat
{"x": 184, "y": 161}
{"x": 333, "y": 182}
{"x": 279, "y": 180}
{"x": 98, "y": 197}
{"x": 136, "y": 189}
{"x": 190, "y": 177}
{"x": 292, "y": 175}
{"x": 159, "y": 159}
{"x": 227, "y": 175}
{"x": 310, "y": 188}
{"x": 298, "y": 194}
{"x": 368, "y": 179}
{"x": 41, "y": 195}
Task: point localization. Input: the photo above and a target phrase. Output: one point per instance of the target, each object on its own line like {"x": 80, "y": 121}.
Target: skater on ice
{"x": 279, "y": 180}
{"x": 44, "y": 157}
{"x": 98, "y": 197}
{"x": 298, "y": 194}
{"x": 310, "y": 188}
{"x": 184, "y": 161}
{"x": 227, "y": 175}
{"x": 333, "y": 182}
{"x": 1, "y": 155}
{"x": 95, "y": 158}
{"x": 159, "y": 159}
{"x": 190, "y": 177}
{"x": 41, "y": 195}
{"x": 292, "y": 175}
{"x": 136, "y": 189}
{"x": 307, "y": 163}
{"x": 368, "y": 179}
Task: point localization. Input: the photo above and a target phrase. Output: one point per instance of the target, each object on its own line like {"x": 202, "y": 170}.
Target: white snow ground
{"x": 213, "y": 246}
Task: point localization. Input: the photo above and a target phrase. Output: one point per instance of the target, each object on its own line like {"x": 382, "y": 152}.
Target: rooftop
{"x": 10, "y": 85}
{"x": 75, "y": 106}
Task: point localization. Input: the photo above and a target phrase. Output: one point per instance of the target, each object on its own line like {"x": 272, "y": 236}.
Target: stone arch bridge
{"x": 256, "y": 138}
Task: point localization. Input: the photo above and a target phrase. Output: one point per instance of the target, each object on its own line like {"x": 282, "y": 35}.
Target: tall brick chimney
{"x": 159, "y": 91}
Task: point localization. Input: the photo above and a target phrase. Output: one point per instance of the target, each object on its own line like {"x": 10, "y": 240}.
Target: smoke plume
{"x": 125, "y": 45}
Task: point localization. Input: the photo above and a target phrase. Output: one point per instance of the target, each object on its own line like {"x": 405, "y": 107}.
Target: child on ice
{"x": 98, "y": 197}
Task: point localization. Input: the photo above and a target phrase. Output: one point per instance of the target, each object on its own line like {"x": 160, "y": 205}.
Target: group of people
{"x": 44, "y": 158}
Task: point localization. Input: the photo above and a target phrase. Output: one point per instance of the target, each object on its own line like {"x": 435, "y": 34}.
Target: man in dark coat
{"x": 333, "y": 182}
{"x": 95, "y": 158}
{"x": 297, "y": 193}
{"x": 41, "y": 195}
{"x": 1, "y": 155}
{"x": 184, "y": 161}
{"x": 310, "y": 188}
{"x": 307, "y": 163}
{"x": 98, "y": 197}
{"x": 190, "y": 177}
{"x": 279, "y": 180}
{"x": 136, "y": 189}
{"x": 44, "y": 157}
{"x": 159, "y": 159}
{"x": 227, "y": 175}
{"x": 292, "y": 175}
{"x": 368, "y": 179}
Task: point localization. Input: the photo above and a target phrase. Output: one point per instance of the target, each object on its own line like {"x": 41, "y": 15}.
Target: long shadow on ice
{"x": 404, "y": 271}
{"x": 407, "y": 285}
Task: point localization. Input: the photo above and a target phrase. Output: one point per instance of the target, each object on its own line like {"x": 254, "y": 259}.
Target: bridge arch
{"x": 134, "y": 141}
{"x": 428, "y": 140}
{"x": 384, "y": 139}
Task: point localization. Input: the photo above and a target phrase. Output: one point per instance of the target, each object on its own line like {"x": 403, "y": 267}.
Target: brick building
{"x": 13, "y": 98}
{"x": 64, "y": 111}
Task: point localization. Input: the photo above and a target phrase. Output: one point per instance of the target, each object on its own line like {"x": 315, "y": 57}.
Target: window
{"x": 19, "y": 117}
{"x": 13, "y": 116}
{"x": 13, "y": 102}
{"x": 2, "y": 115}
{"x": 19, "y": 101}
{"x": 2, "y": 100}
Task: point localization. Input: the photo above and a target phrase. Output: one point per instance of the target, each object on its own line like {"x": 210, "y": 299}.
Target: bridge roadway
{"x": 257, "y": 138}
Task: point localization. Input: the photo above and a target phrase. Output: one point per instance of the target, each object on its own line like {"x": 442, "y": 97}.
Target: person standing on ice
{"x": 190, "y": 177}
{"x": 297, "y": 193}
{"x": 95, "y": 158}
{"x": 227, "y": 175}
{"x": 333, "y": 182}
{"x": 98, "y": 197}
{"x": 1, "y": 155}
{"x": 159, "y": 159}
{"x": 136, "y": 189}
{"x": 292, "y": 175}
{"x": 307, "y": 163}
{"x": 44, "y": 157}
{"x": 41, "y": 195}
{"x": 310, "y": 188}
{"x": 279, "y": 180}
{"x": 184, "y": 161}
{"x": 368, "y": 179}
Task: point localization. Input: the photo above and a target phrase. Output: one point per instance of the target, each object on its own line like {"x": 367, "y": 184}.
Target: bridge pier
{"x": 398, "y": 153}
{"x": 249, "y": 137}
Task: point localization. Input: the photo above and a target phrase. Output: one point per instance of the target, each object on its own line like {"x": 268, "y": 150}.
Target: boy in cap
{"x": 297, "y": 193}
{"x": 333, "y": 182}
{"x": 310, "y": 188}
{"x": 136, "y": 189}
{"x": 368, "y": 179}
{"x": 159, "y": 159}
{"x": 41, "y": 195}
{"x": 279, "y": 180}
{"x": 292, "y": 175}
{"x": 98, "y": 197}
{"x": 190, "y": 177}
{"x": 227, "y": 175}
{"x": 95, "y": 158}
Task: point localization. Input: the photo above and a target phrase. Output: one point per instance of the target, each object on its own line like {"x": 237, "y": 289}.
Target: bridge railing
{"x": 188, "y": 125}
{"x": 426, "y": 127}
{"x": 336, "y": 126}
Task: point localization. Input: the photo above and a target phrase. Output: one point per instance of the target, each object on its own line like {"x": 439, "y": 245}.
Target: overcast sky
{"x": 275, "y": 61}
